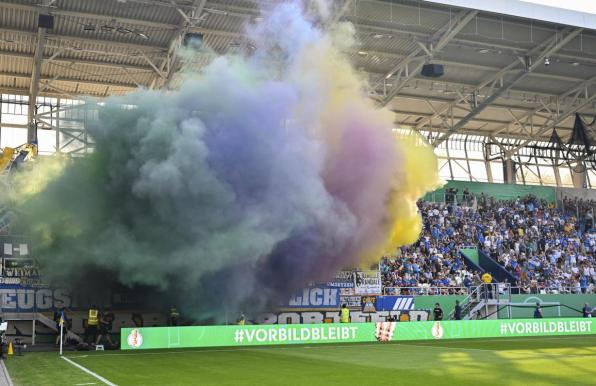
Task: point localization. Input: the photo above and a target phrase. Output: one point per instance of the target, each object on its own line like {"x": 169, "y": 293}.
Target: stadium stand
{"x": 543, "y": 248}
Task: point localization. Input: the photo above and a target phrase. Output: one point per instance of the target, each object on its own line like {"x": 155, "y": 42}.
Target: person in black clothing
{"x": 587, "y": 311}
{"x": 457, "y": 312}
{"x": 137, "y": 319}
{"x": 105, "y": 327}
{"x": 438, "y": 312}
{"x": 538, "y": 312}
{"x": 174, "y": 316}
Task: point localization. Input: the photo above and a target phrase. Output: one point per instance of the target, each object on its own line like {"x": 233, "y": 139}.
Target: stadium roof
{"x": 579, "y": 13}
{"x": 496, "y": 82}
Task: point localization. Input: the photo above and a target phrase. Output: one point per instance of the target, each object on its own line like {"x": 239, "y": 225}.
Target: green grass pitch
{"x": 517, "y": 361}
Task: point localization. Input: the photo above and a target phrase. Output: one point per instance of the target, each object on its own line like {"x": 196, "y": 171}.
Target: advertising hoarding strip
{"x": 256, "y": 335}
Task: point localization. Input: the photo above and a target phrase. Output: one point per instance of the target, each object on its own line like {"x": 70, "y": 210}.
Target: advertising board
{"x": 254, "y": 335}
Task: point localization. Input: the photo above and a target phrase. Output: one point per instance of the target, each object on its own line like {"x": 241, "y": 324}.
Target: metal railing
{"x": 500, "y": 288}
{"x": 426, "y": 290}
{"x": 560, "y": 290}
{"x": 468, "y": 302}
{"x": 484, "y": 293}
{"x": 458, "y": 198}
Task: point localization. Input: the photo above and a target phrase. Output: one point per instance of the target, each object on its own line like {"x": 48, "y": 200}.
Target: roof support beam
{"x": 68, "y": 40}
{"x": 553, "y": 45}
{"x": 131, "y": 77}
{"x": 55, "y": 78}
{"x": 548, "y": 47}
{"x": 516, "y": 120}
{"x": 70, "y": 80}
{"x": 442, "y": 37}
{"x": 402, "y": 56}
{"x": 570, "y": 110}
{"x": 54, "y": 93}
{"x": 576, "y": 90}
{"x": 363, "y": 27}
{"x": 153, "y": 66}
{"x": 342, "y": 11}
{"x": 91, "y": 16}
{"x": 486, "y": 134}
{"x": 55, "y": 58}
{"x": 34, "y": 85}
{"x": 479, "y": 108}
{"x": 419, "y": 114}
{"x": 460, "y": 107}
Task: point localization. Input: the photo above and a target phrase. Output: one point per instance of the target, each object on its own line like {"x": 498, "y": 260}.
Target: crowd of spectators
{"x": 545, "y": 249}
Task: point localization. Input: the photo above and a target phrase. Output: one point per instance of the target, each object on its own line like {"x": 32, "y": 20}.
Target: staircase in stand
{"x": 481, "y": 303}
{"x": 43, "y": 319}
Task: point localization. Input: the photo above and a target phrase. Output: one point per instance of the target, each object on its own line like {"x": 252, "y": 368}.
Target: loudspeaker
{"x": 45, "y": 21}
{"x": 509, "y": 175}
{"x": 432, "y": 70}
{"x": 193, "y": 38}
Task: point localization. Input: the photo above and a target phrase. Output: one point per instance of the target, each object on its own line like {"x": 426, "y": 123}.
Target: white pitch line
{"x": 328, "y": 346}
{"x": 297, "y": 347}
{"x": 6, "y": 375}
{"x": 89, "y": 372}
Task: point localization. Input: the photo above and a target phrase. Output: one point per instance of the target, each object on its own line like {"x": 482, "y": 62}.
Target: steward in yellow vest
{"x": 344, "y": 314}
{"x": 487, "y": 278}
{"x": 92, "y": 323}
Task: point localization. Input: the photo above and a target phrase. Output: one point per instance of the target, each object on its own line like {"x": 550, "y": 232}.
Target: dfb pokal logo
{"x": 135, "y": 339}
{"x": 384, "y": 331}
{"x": 437, "y": 330}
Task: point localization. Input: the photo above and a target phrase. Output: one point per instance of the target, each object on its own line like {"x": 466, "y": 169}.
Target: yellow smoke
{"x": 420, "y": 175}
{"x": 340, "y": 87}
{"x": 34, "y": 176}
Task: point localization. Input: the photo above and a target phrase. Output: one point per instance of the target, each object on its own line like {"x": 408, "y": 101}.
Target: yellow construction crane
{"x": 6, "y": 158}
{"x": 13, "y": 157}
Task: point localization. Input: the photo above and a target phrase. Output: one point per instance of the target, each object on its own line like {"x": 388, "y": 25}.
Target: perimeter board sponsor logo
{"x": 295, "y": 335}
{"x": 135, "y": 339}
{"x": 546, "y": 327}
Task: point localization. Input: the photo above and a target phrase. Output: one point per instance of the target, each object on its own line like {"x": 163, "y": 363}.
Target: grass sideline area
{"x": 516, "y": 361}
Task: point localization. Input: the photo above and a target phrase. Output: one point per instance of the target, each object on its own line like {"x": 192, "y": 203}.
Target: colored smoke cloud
{"x": 258, "y": 175}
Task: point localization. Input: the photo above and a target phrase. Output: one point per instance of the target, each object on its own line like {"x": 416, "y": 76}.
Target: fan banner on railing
{"x": 368, "y": 283}
{"x": 343, "y": 279}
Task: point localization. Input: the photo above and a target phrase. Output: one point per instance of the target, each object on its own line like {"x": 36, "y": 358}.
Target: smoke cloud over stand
{"x": 258, "y": 175}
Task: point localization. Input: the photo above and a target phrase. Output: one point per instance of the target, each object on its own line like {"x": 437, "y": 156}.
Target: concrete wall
{"x": 499, "y": 191}
{"x": 584, "y": 194}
